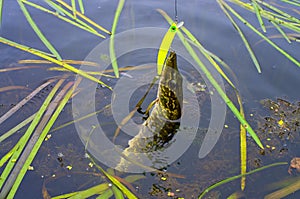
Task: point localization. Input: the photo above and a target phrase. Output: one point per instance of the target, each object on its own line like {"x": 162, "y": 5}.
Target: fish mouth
{"x": 172, "y": 60}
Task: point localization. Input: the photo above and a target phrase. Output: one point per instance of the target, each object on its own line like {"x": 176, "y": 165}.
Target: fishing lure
{"x": 166, "y": 44}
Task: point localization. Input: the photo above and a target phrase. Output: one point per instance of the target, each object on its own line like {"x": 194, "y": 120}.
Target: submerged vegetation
{"x": 272, "y": 135}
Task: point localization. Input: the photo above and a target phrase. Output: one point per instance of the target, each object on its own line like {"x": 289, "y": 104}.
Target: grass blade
{"x": 24, "y": 101}
{"x": 81, "y": 7}
{"x": 7, "y": 156}
{"x": 112, "y": 40}
{"x": 237, "y": 177}
{"x": 18, "y": 68}
{"x": 295, "y": 61}
{"x": 62, "y": 15}
{"x": 98, "y": 189}
{"x": 57, "y": 10}
{"x": 1, "y": 8}
{"x": 133, "y": 178}
{"x": 243, "y": 147}
{"x": 285, "y": 191}
{"x": 10, "y": 88}
{"x": 73, "y": 3}
{"x": 42, "y": 55}
{"x": 77, "y": 22}
{"x": 291, "y": 2}
{"x": 84, "y": 17}
{"x": 64, "y": 196}
{"x": 208, "y": 55}
{"x": 79, "y": 119}
{"x": 40, "y": 134}
{"x": 247, "y": 45}
{"x": 106, "y": 195}
{"x": 281, "y": 32}
{"x": 116, "y": 182}
{"x": 257, "y": 9}
{"x": 38, "y": 31}
{"x": 22, "y": 142}
{"x": 269, "y": 15}
{"x": 16, "y": 128}
{"x": 118, "y": 194}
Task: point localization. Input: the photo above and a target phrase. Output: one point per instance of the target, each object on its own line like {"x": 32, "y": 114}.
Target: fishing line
{"x": 176, "y": 16}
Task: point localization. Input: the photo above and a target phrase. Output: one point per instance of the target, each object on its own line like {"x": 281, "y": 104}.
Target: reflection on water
{"x": 279, "y": 78}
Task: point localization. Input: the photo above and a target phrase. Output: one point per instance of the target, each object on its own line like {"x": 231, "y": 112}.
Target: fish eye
{"x": 172, "y": 84}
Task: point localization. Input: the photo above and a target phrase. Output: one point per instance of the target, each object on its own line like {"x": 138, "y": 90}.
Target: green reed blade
{"x": 57, "y": 10}
{"x": 98, "y": 189}
{"x": 81, "y": 118}
{"x": 222, "y": 93}
{"x": 280, "y": 15}
{"x": 292, "y": 2}
{"x": 22, "y": 143}
{"x": 1, "y": 8}
{"x": 73, "y": 3}
{"x": 112, "y": 40}
{"x": 83, "y": 17}
{"x": 16, "y": 128}
{"x": 133, "y": 178}
{"x": 295, "y": 61}
{"x": 106, "y": 195}
{"x": 257, "y": 9}
{"x": 237, "y": 177}
{"x": 281, "y": 32}
{"x": 288, "y": 189}
{"x": 210, "y": 56}
{"x": 64, "y": 196}
{"x": 116, "y": 182}
{"x": 81, "y": 7}
{"x": 80, "y": 24}
{"x": 77, "y": 22}
{"x": 270, "y": 15}
{"x": 38, "y": 31}
{"x": 118, "y": 194}
{"x": 45, "y": 56}
{"x": 277, "y": 10}
{"x": 214, "y": 82}
{"x": 247, "y": 45}
{"x": 24, "y": 101}
{"x": 8, "y": 155}
{"x": 40, "y": 133}
{"x": 243, "y": 145}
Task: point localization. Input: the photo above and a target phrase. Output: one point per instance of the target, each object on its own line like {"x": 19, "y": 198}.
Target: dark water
{"x": 279, "y": 78}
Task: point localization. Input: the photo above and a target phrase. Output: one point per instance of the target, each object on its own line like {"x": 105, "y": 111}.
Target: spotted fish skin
{"x": 164, "y": 120}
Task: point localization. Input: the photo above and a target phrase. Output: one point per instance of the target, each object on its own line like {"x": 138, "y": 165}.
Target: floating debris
{"x": 91, "y": 164}
{"x": 163, "y": 178}
{"x": 126, "y": 75}
{"x": 48, "y": 137}
{"x": 295, "y": 164}
{"x": 60, "y": 155}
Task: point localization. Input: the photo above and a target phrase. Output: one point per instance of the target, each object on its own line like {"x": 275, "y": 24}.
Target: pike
{"x": 163, "y": 122}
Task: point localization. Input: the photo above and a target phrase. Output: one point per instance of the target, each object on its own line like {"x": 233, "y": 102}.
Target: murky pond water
{"x": 189, "y": 175}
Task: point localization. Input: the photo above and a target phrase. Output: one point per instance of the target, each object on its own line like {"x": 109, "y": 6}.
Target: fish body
{"x": 163, "y": 122}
